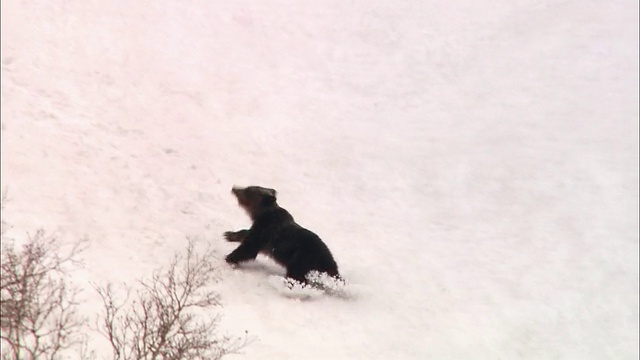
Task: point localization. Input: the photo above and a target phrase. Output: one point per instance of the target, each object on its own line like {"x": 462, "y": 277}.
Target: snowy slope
{"x": 472, "y": 165}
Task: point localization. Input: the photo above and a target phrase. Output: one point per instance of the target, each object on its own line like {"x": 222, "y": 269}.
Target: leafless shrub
{"x": 38, "y": 319}
{"x": 166, "y": 318}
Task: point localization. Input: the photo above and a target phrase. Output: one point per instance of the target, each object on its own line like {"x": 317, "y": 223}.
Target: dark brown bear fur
{"x": 274, "y": 233}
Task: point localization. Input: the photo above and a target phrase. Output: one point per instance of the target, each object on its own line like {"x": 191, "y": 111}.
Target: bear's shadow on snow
{"x": 262, "y": 266}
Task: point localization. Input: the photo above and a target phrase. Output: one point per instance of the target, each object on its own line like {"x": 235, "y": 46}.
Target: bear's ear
{"x": 267, "y": 191}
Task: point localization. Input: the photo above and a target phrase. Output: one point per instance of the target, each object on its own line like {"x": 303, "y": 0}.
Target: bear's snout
{"x": 237, "y": 191}
{"x": 241, "y": 195}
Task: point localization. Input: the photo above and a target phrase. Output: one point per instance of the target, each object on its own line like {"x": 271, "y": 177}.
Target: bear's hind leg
{"x": 297, "y": 274}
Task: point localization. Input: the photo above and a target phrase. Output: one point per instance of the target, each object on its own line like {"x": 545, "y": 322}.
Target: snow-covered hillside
{"x": 472, "y": 165}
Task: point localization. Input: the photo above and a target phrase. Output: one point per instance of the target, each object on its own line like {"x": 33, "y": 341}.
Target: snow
{"x": 473, "y": 166}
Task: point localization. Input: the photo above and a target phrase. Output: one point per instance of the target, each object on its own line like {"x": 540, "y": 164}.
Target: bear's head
{"x": 254, "y": 199}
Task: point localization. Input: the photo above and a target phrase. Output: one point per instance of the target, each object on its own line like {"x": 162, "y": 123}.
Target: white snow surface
{"x": 472, "y": 165}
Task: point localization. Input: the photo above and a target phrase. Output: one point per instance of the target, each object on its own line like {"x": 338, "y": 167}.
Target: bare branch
{"x": 160, "y": 322}
{"x": 38, "y": 316}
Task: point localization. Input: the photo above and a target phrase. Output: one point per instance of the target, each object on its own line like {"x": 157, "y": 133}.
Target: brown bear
{"x": 274, "y": 233}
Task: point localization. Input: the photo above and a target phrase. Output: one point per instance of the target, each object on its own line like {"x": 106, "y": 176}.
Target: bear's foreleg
{"x": 247, "y": 250}
{"x": 236, "y": 236}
